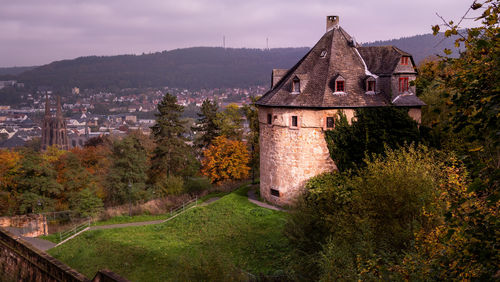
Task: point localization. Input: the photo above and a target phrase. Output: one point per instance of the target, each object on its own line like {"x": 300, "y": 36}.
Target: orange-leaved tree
{"x": 225, "y": 159}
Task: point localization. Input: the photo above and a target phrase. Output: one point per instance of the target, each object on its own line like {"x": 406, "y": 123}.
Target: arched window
{"x": 296, "y": 85}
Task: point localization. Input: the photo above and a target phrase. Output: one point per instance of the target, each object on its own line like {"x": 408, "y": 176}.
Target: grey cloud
{"x": 37, "y": 32}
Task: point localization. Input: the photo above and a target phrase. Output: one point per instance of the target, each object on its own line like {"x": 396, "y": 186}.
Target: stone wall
{"x": 31, "y": 225}
{"x": 289, "y": 155}
{"x": 19, "y": 261}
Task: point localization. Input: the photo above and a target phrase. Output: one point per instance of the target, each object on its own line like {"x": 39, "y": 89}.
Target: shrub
{"x": 355, "y": 226}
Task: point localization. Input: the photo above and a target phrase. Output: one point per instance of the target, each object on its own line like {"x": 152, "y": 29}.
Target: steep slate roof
{"x": 382, "y": 60}
{"x": 343, "y": 58}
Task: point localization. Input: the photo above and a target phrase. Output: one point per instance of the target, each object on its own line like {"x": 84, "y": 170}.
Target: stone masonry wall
{"x": 19, "y": 261}
{"x": 289, "y": 156}
{"x": 32, "y": 225}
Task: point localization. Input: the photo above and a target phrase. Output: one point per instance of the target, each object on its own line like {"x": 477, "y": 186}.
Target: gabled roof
{"x": 316, "y": 71}
{"x": 382, "y": 60}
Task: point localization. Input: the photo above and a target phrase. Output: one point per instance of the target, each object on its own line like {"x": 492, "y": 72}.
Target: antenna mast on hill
{"x": 267, "y": 43}
{"x": 224, "y": 41}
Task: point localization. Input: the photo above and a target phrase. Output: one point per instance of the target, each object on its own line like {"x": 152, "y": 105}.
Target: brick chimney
{"x": 332, "y": 22}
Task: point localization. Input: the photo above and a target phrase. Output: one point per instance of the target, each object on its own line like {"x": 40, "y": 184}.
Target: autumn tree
{"x": 472, "y": 89}
{"x": 225, "y": 160}
{"x": 207, "y": 127}
{"x": 10, "y": 164}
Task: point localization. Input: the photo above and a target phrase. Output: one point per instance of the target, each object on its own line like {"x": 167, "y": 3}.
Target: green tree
{"x": 127, "y": 173}
{"x": 172, "y": 156}
{"x": 207, "y": 127}
{"x": 230, "y": 122}
{"x": 370, "y": 131}
{"x": 36, "y": 185}
{"x": 86, "y": 203}
{"x": 252, "y": 115}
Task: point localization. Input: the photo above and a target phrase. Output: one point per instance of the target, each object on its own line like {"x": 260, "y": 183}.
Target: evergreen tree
{"x": 172, "y": 156}
{"x": 370, "y": 131}
{"x": 127, "y": 174}
{"x": 252, "y": 115}
{"x": 207, "y": 125}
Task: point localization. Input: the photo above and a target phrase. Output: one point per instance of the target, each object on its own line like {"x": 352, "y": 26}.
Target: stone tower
{"x": 336, "y": 75}
{"x": 54, "y": 127}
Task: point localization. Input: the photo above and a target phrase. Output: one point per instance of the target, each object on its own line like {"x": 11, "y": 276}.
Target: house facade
{"x": 336, "y": 75}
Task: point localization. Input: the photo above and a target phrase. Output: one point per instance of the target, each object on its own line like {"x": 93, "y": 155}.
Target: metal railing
{"x": 73, "y": 231}
{"x": 185, "y": 205}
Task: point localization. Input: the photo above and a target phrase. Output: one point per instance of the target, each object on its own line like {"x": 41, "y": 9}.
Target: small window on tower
{"x": 296, "y": 85}
{"x": 269, "y": 118}
{"x": 275, "y": 192}
{"x": 404, "y": 60}
{"x": 295, "y": 121}
{"x": 330, "y": 122}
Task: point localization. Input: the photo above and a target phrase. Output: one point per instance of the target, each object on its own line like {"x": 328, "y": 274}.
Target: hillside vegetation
{"x": 192, "y": 68}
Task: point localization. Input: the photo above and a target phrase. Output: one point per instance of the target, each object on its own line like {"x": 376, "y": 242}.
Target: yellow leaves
{"x": 225, "y": 160}
{"x": 10, "y": 163}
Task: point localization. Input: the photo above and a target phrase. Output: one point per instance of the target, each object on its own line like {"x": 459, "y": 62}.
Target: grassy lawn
{"x": 230, "y": 231}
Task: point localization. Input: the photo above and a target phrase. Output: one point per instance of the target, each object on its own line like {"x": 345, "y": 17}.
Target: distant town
{"x": 91, "y": 113}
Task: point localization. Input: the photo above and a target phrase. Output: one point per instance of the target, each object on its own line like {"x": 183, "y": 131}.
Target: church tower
{"x": 54, "y": 127}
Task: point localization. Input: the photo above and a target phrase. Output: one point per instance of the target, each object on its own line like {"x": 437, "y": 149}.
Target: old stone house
{"x": 335, "y": 75}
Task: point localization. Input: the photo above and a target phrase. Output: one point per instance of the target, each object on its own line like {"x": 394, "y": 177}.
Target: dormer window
{"x": 296, "y": 85}
{"x": 337, "y": 84}
{"x": 403, "y": 84}
{"x": 371, "y": 84}
{"x": 404, "y": 60}
{"x": 340, "y": 85}
{"x": 323, "y": 54}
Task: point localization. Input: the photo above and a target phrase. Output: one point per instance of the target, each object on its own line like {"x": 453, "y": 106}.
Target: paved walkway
{"x": 253, "y": 198}
{"x": 40, "y": 244}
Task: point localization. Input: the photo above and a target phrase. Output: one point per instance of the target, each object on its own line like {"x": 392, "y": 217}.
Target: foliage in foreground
{"x": 408, "y": 215}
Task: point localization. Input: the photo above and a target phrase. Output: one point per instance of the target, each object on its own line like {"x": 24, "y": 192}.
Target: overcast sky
{"x": 35, "y": 32}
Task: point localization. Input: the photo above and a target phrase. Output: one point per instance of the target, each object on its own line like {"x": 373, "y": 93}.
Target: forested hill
{"x": 14, "y": 70}
{"x": 192, "y": 68}
{"x": 421, "y": 46}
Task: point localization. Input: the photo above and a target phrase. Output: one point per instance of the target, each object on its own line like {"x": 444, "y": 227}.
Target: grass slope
{"x": 230, "y": 232}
